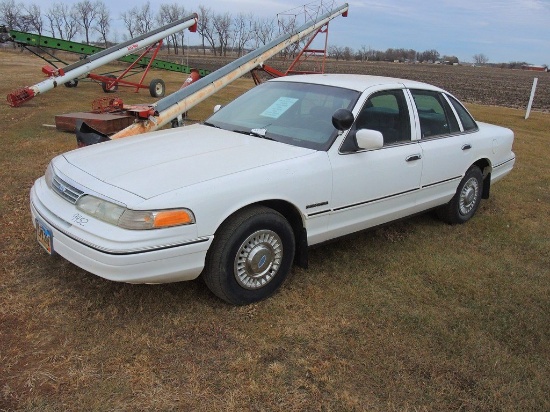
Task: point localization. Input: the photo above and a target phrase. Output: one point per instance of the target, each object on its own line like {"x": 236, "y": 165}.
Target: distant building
{"x": 534, "y": 68}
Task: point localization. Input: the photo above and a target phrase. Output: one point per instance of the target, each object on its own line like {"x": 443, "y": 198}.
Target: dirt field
{"x": 483, "y": 85}
{"x": 415, "y": 316}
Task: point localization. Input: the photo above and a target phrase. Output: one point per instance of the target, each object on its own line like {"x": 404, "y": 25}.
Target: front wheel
{"x": 466, "y": 200}
{"x": 250, "y": 257}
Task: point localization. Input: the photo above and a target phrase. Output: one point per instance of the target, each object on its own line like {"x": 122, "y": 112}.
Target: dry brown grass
{"x": 414, "y": 316}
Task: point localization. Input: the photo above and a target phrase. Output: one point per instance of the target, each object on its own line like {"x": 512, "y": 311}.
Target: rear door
{"x": 446, "y": 146}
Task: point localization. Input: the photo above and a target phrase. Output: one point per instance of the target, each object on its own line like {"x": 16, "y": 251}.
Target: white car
{"x": 294, "y": 162}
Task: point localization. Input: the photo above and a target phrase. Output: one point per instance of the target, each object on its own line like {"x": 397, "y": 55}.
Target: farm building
{"x": 534, "y": 68}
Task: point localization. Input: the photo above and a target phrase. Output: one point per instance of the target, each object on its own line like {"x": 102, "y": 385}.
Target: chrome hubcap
{"x": 468, "y": 196}
{"x": 258, "y": 259}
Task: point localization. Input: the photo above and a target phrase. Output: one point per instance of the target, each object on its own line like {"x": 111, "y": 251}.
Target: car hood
{"x": 159, "y": 162}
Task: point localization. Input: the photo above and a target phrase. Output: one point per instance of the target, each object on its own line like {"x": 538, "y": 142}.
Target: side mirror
{"x": 342, "y": 119}
{"x": 368, "y": 139}
{"x": 217, "y": 107}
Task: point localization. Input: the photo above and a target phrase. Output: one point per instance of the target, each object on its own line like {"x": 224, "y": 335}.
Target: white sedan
{"x": 294, "y": 162}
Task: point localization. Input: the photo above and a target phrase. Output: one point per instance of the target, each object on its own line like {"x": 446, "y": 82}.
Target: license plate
{"x": 44, "y": 236}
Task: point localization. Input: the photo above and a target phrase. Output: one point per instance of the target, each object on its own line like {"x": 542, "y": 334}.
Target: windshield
{"x": 299, "y": 114}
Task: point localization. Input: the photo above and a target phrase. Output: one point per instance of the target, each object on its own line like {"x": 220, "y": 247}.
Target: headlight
{"x": 155, "y": 219}
{"x": 100, "y": 209}
{"x": 133, "y": 219}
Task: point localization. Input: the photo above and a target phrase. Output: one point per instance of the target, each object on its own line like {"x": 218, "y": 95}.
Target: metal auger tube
{"x": 83, "y": 67}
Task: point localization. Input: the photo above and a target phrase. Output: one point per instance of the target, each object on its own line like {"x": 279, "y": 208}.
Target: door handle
{"x": 414, "y": 157}
{"x": 467, "y": 146}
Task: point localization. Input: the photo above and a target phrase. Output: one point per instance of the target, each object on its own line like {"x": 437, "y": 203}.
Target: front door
{"x": 376, "y": 186}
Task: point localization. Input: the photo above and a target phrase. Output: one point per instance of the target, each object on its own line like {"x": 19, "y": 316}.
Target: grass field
{"x": 415, "y": 316}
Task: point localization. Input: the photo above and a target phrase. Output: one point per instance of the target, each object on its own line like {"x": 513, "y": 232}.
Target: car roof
{"x": 359, "y": 82}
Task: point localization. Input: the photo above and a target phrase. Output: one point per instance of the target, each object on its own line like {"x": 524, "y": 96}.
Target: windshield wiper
{"x": 259, "y": 133}
{"x": 252, "y": 132}
{"x": 262, "y": 133}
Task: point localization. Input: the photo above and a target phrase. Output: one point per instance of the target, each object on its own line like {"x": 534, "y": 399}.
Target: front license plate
{"x": 44, "y": 236}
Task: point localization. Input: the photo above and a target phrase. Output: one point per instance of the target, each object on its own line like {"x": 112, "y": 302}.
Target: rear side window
{"x": 467, "y": 121}
{"x": 436, "y": 116}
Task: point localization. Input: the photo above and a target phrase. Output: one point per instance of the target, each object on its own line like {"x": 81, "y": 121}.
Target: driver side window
{"x": 386, "y": 111}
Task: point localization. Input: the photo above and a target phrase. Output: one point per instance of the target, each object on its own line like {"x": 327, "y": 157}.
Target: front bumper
{"x": 151, "y": 262}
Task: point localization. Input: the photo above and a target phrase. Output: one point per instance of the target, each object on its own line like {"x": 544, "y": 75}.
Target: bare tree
{"x": 363, "y": 53}
{"x": 165, "y": 16}
{"x": 205, "y": 28}
{"x": 10, "y": 14}
{"x": 55, "y": 21}
{"x": 103, "y": 22}
{"x": 32, "y": 18}
{"x": 181, "y": 33}
{"x": 138, "y": 20}
{"x": 87, "y": 13}
{"x": 480, "y": 58}
{"x": 347, "y": 53}
{"x": 68, "y": 26}
{"x": 222, "y": 28}
{"x": 336, "y": 52}
{"x": 243, "y": 31}
{"x": 287, "y": 24}
{"x": 144, "y": 18}
{"x": 428, "y": 55}
{"x": 264, "y": 30}
{"x": 169, "y": 13}
{"x": 129, "y": 18}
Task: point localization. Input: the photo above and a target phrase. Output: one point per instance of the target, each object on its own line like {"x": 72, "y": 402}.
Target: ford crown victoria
{"x": 294, "y": 162}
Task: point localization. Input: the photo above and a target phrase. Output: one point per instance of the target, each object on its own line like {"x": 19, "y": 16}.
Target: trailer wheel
{"x": 71, "y": 83}
{"x": 113, "y": 88}
{"x": 157, "y": 88}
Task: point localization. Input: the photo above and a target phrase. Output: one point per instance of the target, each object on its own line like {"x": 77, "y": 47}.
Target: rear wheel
{"x": 250, "y": 257}
{"x": 157, "y": 88}
{"x": 105, "y": 85}
{"x": 466, "y": 200}
{"x": 71, "y": 83}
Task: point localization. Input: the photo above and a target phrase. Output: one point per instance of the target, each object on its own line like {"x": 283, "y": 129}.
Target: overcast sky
{"x": 503, "y": 30}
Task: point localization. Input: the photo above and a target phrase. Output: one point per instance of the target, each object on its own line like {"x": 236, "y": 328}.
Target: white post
{"x": 535, "y": 80}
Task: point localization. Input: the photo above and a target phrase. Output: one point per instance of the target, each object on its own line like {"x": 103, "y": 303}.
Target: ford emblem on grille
{"x": 66, "y": 191}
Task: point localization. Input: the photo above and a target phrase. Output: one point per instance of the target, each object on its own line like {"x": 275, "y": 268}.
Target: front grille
{"x": 65, "y": 190}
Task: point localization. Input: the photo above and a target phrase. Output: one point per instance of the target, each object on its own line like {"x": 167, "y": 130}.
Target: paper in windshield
{"x": 279, "y": 107}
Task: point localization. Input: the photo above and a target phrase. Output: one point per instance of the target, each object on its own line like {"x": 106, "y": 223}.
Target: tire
{"x": 71, "y": 83}
{"x": 157, "y": 88}
{"x": 466, "y": 200}
{"x": 104, "y": 85}
{"x": 250, "y": 257}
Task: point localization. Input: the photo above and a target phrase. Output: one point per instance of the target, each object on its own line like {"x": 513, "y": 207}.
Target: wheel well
{"x": 485, "y": 167}
{"x": 293, "y": 216}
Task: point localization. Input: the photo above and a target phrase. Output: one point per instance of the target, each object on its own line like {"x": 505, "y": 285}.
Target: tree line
{"x": 93, "y": 21}
{"x": 365, "y": 53}
{"x": 220, "y": 33}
